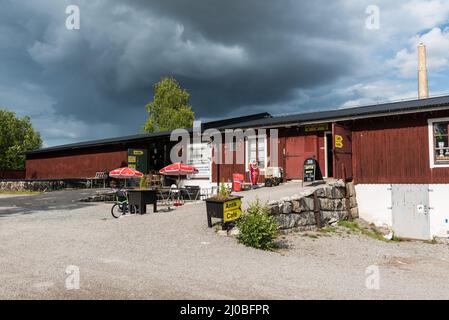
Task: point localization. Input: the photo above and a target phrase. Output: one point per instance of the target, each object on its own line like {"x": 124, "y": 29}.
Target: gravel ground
{"x": 173, "y": 255}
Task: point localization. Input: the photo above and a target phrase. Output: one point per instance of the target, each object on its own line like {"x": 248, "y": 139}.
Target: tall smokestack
{"x": 423, "y": 85}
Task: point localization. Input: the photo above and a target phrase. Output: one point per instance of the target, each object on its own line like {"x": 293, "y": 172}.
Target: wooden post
{"x": 347, "y": 200}
{"x": 316, "y": 210}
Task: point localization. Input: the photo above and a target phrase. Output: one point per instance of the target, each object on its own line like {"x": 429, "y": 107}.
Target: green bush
{"x": 258, "y": 229}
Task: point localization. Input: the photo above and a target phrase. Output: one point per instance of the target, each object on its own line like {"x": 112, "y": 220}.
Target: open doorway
{"x": 328, "y": 155}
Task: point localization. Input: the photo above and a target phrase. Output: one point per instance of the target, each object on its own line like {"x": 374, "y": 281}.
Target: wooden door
{"x": 342, "y": 137}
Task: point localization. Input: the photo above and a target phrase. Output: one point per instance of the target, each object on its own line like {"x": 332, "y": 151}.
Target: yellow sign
{"x": 138, "y": 152}
{"x": 132, "y": 166}
{"x": 317, "y": 127}
{"x": 339, "y": 142}
{"x": 232, "y": 215}
{"x": 232, "y": 210}
{"x": 132, "y": 159}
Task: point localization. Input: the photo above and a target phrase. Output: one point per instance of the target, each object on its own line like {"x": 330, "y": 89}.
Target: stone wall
{"x": 298, "y": 211}
{"x": 38, "y": 186}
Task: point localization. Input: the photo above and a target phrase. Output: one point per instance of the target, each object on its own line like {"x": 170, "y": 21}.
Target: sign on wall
{"x": 137, "y": 159}
{"x": 199, "y": 156}
{"x": 339, "y": 142}
{"x": 317, "y": 127}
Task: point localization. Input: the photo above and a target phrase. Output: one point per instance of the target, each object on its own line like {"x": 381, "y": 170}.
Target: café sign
{"x": 232, "y": 210}
{"x": 317, "y": 127}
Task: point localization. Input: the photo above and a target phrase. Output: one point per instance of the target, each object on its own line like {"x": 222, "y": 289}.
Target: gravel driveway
{"x": 173, "y": 255}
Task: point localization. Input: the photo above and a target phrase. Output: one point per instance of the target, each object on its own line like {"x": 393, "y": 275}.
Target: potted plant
{"x": 224, "y": 206}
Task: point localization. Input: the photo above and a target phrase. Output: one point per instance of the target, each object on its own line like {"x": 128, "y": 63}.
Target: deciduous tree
{"x": 17, "y": 136}
{"x": 170, "y": 107}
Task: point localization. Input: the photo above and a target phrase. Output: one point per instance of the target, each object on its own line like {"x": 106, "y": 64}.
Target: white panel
{"x": 374, "y": 202}
{"x": 439, "y": 212}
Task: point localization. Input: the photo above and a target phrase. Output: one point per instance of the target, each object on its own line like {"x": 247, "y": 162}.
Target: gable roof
{"x": 267, "y": 120}
{"x": 147, "y": 136}
{"x": 376, "y": 110}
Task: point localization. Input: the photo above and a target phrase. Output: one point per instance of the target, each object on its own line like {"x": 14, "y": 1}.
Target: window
{"x": 439, "y": 142}
{"x": 256, "y": 150}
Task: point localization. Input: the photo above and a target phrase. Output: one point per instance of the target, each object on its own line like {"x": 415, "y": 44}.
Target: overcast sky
{"x": 235, "y": 57}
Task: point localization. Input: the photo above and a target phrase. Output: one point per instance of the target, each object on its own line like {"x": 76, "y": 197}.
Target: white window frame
{"x": 431, "y": 143}
{"x": 257, "y": 152}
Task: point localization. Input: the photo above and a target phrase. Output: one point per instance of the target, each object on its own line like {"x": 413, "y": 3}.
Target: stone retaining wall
{"x": 38, "y": 186}
{"x": 298, "y": 211}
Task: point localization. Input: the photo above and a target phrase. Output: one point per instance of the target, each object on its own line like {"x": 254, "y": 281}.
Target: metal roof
{"x": 377, "y": 110}
{"x": 266, "y": 120}
{"x": 147, "y": 136}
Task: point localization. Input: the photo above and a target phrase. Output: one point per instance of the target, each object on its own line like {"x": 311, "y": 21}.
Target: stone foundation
{"x": 335, "y": 201}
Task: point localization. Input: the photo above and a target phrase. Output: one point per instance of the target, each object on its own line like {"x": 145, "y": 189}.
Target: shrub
{"x": 258, "y": 229}
{"x": 223, "y": 193}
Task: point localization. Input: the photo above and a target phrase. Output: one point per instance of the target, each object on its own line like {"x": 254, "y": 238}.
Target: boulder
{"x": 350, "y": 189}
{"x": 332, "y": 204}
{"x": 289, "y": 221}
{"x": 274, "y": 209}
{"x": 329, "y": 217}
{"x": 296, "y": 206}
{"x": 331, "y": 192}
{"x": 355, "y": 212}
{"x": 286, "y": 207}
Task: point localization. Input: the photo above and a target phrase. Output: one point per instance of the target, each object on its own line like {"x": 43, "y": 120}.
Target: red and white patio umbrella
{"x": 178, "y": 169}
{"x": 125, "y": 173}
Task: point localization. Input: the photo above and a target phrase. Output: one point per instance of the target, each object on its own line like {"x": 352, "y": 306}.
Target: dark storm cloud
{"x": 233, "y": 57}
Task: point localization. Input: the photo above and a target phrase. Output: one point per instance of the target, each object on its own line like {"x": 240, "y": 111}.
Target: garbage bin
{"x": 237, "y": 182}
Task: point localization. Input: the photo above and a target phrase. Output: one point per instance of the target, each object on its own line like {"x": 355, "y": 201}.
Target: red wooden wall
{"x": 74, "y": 166}
{"x": 395, "y": 149}
{"x": 12, "y": 174}
{"x": 294, "y": 146}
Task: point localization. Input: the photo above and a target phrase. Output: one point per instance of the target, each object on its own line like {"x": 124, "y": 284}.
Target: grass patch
{"x": 24, "y": 193}
{"x": 373, "y": 233}
{"x": 351, "y": 225}
{"x": 433, "y": 241}
{"x": 328, "y": 229}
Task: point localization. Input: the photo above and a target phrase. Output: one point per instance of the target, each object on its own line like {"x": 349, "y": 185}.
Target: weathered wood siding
{"x": 75, "y": 165}
{"x": 395, "y": 149}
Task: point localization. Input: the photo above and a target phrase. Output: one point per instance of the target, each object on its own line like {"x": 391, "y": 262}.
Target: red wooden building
{"x": 386, "y": 143}
{"x": 397, "y": 154}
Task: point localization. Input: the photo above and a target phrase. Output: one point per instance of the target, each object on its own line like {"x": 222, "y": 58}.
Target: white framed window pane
{"x": 261, "y": 151}
{"x": 441, "y": 142}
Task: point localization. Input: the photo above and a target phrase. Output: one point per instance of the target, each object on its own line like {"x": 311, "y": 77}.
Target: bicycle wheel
{"x": 117, "y": 211}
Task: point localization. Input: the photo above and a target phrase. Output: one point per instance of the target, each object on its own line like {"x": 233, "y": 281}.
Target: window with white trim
{"x": 256, "y": 150}
{"x": 439, "y": 142}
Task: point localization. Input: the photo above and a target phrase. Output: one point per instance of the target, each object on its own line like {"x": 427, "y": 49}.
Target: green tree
{"x": 16, "y": 137}
{"x": 170, "y": 107}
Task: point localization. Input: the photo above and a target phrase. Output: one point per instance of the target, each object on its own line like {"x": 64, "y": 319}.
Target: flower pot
{"x": 228, "y": 210}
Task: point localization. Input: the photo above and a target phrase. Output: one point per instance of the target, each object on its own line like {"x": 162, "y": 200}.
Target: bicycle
{"x": 121, "y": 206}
